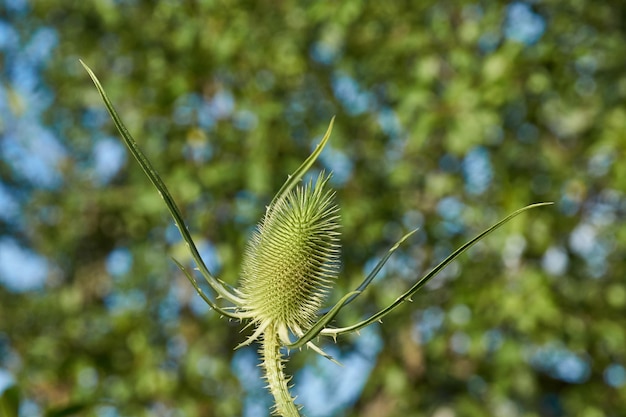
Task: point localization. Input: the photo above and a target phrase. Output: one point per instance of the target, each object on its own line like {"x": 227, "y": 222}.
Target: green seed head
{"x": 292, "y": 257}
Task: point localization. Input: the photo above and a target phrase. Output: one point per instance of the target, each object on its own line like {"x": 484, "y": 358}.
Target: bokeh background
{"x": 450, "y": 114}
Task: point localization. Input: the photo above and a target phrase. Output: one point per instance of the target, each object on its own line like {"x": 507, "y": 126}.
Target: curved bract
{"x": 289, "y": 267}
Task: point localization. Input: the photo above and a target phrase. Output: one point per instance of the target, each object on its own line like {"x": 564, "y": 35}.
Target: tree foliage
{"x": 448, "y": 116}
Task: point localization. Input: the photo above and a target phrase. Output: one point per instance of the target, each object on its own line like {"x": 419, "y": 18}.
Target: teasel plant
{"x": 290, "y": 264}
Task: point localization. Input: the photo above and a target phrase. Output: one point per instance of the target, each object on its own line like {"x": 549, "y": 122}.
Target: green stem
{"x": 278, "y": 383}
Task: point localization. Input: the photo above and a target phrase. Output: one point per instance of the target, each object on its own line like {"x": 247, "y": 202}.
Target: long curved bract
{"x": 297, "y": 175}
{"x": 154, "y": 177}
{"x": 419, "y": 284}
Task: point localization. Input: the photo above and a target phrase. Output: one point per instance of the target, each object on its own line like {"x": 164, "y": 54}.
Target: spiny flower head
{"x": 292, "y": 258}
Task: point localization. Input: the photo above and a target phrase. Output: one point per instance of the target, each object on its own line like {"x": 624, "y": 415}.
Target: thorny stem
{"x": 277, "y": 382}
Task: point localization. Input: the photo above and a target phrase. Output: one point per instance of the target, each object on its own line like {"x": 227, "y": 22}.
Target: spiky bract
{"x": 292, "y": 258}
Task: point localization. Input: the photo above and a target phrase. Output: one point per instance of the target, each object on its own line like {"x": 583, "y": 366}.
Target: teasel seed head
{"x": 292, "y": 258}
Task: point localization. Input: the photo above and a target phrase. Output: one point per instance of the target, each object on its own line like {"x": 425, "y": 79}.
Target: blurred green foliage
{"x": 449, "y": 115}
